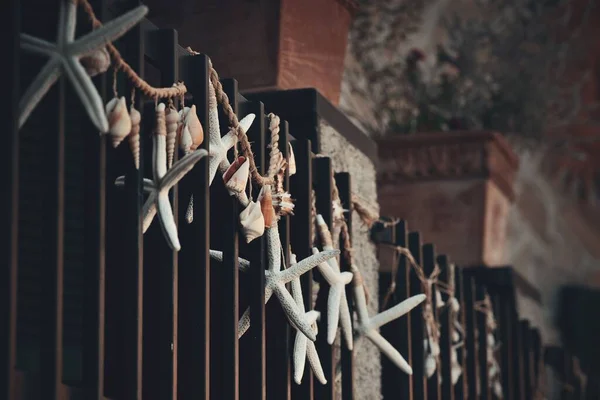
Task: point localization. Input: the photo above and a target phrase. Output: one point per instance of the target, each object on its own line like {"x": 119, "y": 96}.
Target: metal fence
{"x": 94, "y": 309}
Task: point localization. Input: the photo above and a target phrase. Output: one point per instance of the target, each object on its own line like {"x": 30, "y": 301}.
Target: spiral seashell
{"x": 161, "y": 125}
{"x": 252, "y": 222}
{"x": 171, "y": 117}
{"x": 189, "y": 213}
{"x": 193, "y": 126}
{"x": 266, "y": 204}
{"x": 97, "y": 62}
{"x": 134, "y": 135}
{"x": 118, "y": 120}
{"x": 236, "y": 176}
{"x": 291, "y": 161}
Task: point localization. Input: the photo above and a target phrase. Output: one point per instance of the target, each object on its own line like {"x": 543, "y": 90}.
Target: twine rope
{"x": 178, "y": 89}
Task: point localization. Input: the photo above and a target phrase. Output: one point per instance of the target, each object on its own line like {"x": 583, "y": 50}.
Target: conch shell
{"x": 172, "y": 117}
{"x": 97, "y": 62}
{"x": 252, "y": 221}
{"x": 118, "y": 120}
{"x": 236, "y": 179}
{"x": 265, "y": 199}
{"x": 291, "y": 161}
{"x": 134, "y": 135}
{"x": 191, "y": 134}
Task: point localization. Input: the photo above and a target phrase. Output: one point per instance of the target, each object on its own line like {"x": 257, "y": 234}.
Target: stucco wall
{"x": 346, "y": 158}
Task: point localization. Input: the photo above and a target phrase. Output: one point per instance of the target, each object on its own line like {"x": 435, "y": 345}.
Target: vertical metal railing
{"x": 481, "y": 344}
{"x": 446, "y": 318}
{"x": 429, "y": 264}
{"x": 472, "y": 371}
{"x": 460, "y": 389}
{"x": 417, "y": 328}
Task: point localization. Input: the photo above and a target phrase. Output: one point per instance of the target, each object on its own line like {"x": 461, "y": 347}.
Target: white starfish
{"x": 367, "y": 326}
{"x": 276, "y": 279}
{"x": 338, "y": 311}
{"x": 65, "y": 57}
{"x": 303, "y": 348}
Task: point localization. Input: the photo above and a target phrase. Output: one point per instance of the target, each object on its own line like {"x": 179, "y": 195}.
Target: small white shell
{"x": 193, "y": 125}
{"x": 429, "y": 366}
{"x": 252, "y": 222}
{"x": 97, "y": 62}
{"x": 236, "y": 176}
{"x": 185, "y": 139}
{"x": 291, "y": 161}
{"x": 134, "y": 135}
{"x": 172, "y": 117}
{"x": 118, "y": 120}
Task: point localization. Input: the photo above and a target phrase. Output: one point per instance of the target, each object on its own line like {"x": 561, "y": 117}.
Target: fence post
{"x": 322, "y": 184}
{"x": 302, "y": 226}
{"x": 194, "y": 263}
{"x": 347, "y": 356}
{"x": 481, "y": 334}
{"x": 470, "y": 339}
{"x": 417, "y": 327}
{"x": 429, "y": 263}
{"x": 461, "y": 387}
{"x": 446, "y": 317}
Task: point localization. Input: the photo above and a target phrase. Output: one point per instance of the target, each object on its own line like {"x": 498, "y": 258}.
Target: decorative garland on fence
{"x": 493, "y": 368}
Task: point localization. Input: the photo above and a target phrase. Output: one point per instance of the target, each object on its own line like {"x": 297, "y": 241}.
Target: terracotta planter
{"x": 455, "y": 188}
{"x": 266, "y": 44}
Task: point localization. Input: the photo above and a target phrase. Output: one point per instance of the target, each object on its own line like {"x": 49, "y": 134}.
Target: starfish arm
{"x": 215, "y": 160}
{"x": 293, "y": 313}
{"x": 299, "y": 356}
{"x": 315, "y": 363}
{"x": 218, "y": 256}
{"x": 66, "y": 22}
{"x": 297, "y": 294}
{"x": 333, "y": 263}
{"x": 346, "y": 277}
{"x": 214, "y": 128}
{"x": 38, "y": 88}
{"x": 328, "y": 273}
{"x": 159, "y": 158}
{"x": 244, "y": 323}
{"x": 295, "y": 271}
{"x": 230, "y": 138}
{"x": 396, "y": 312}
{"x": 37, "y": 45}
{"x": 167, "y": 221}
{"x": 180, "y": 168}
{"x": 333, "y": 311}
{"x": 148, "y": 211}
{"x": 312, "y": 316}
{"x": 361, "y": 305}
{"x": 108, "y": 33}
{"x": 346, "y": 321}
{"x": 87, "y": 92}
{"x": 224, "y": 165}
{"x": 274, "y": 249}
{"x": 386, "y": 348}
{"x": 148, "y": 183}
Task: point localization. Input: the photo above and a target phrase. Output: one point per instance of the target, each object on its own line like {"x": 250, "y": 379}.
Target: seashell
{"x": 189, "y": 213}
{"x": 266, "y": 204}
{"x": 430, "y": 366}
{"x": 185, "y": 139}
{"x": 236, "y": 176}
{"x": 455, "y": 337}
{"x": 439, "y": 302}
{"x": 195, "y": 133}
{"x": 282, "y": 202}
{"x": 161, "y": 125}
{"x": 291, "y": 160}
{"x": 252, "y": 222}
{"x": 134, "y": 135}
{"x": 171, "y": 118}
{"x": 454, "y": 305}
{"x": 97, "y": 62}
{"x": 456, "y": 372}
{"x": 118, "y": 120}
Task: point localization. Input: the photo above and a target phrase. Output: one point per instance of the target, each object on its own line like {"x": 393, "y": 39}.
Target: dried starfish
{"x": 367, "y": 326}
{"x": 276, "y": 279}
{"x": 337, "y": 304}
{"x": 303, "y": 348}
{"x": 65, "y": 57}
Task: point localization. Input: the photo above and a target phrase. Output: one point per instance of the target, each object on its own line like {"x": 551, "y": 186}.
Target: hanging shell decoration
{"x": 97, "y": 62}
{"x": 291, "y": 160}
{"x": 282, "y": 202}
{"x": 190, "y": 132}
{"x": 252, "y": 222}
{"x": 265, "y": 198}
{"x": 119, "y": 121}
{"x": 236, "y": 179}
{"x": 172, "y": 118}
{"x": 134, "y": 135}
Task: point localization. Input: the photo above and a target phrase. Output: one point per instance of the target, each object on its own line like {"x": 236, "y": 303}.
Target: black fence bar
{"x": 536, "y": 345}
{"x": 460, "y": 389}
{"x": 11, "y": 20}
{"x": 194, "y": 263}
{"x": 301, "y": 240}
{"x": 470, "y": 339}
{"x": 527, "y": 356}
{"x": 403, "y": 291}
{"x": 429, "y": 263}
{"x": 517, "y": 359}
{"x": 417, "y": 327}
{"x": 94, "y": 248}
{"x": 277, "y": 328}
{"x": 481, "y": 343}
{"x": 160, "y": 308}
{"x": 446, "y": 318}
{"x": 322, "y": 184}
{"x": 253, "y": 343}
{"x": 347, "y": 356}
{"x": 507, "y": 350}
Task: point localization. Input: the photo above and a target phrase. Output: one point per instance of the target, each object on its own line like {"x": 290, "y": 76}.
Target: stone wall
{"x": 347, "y": 158}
